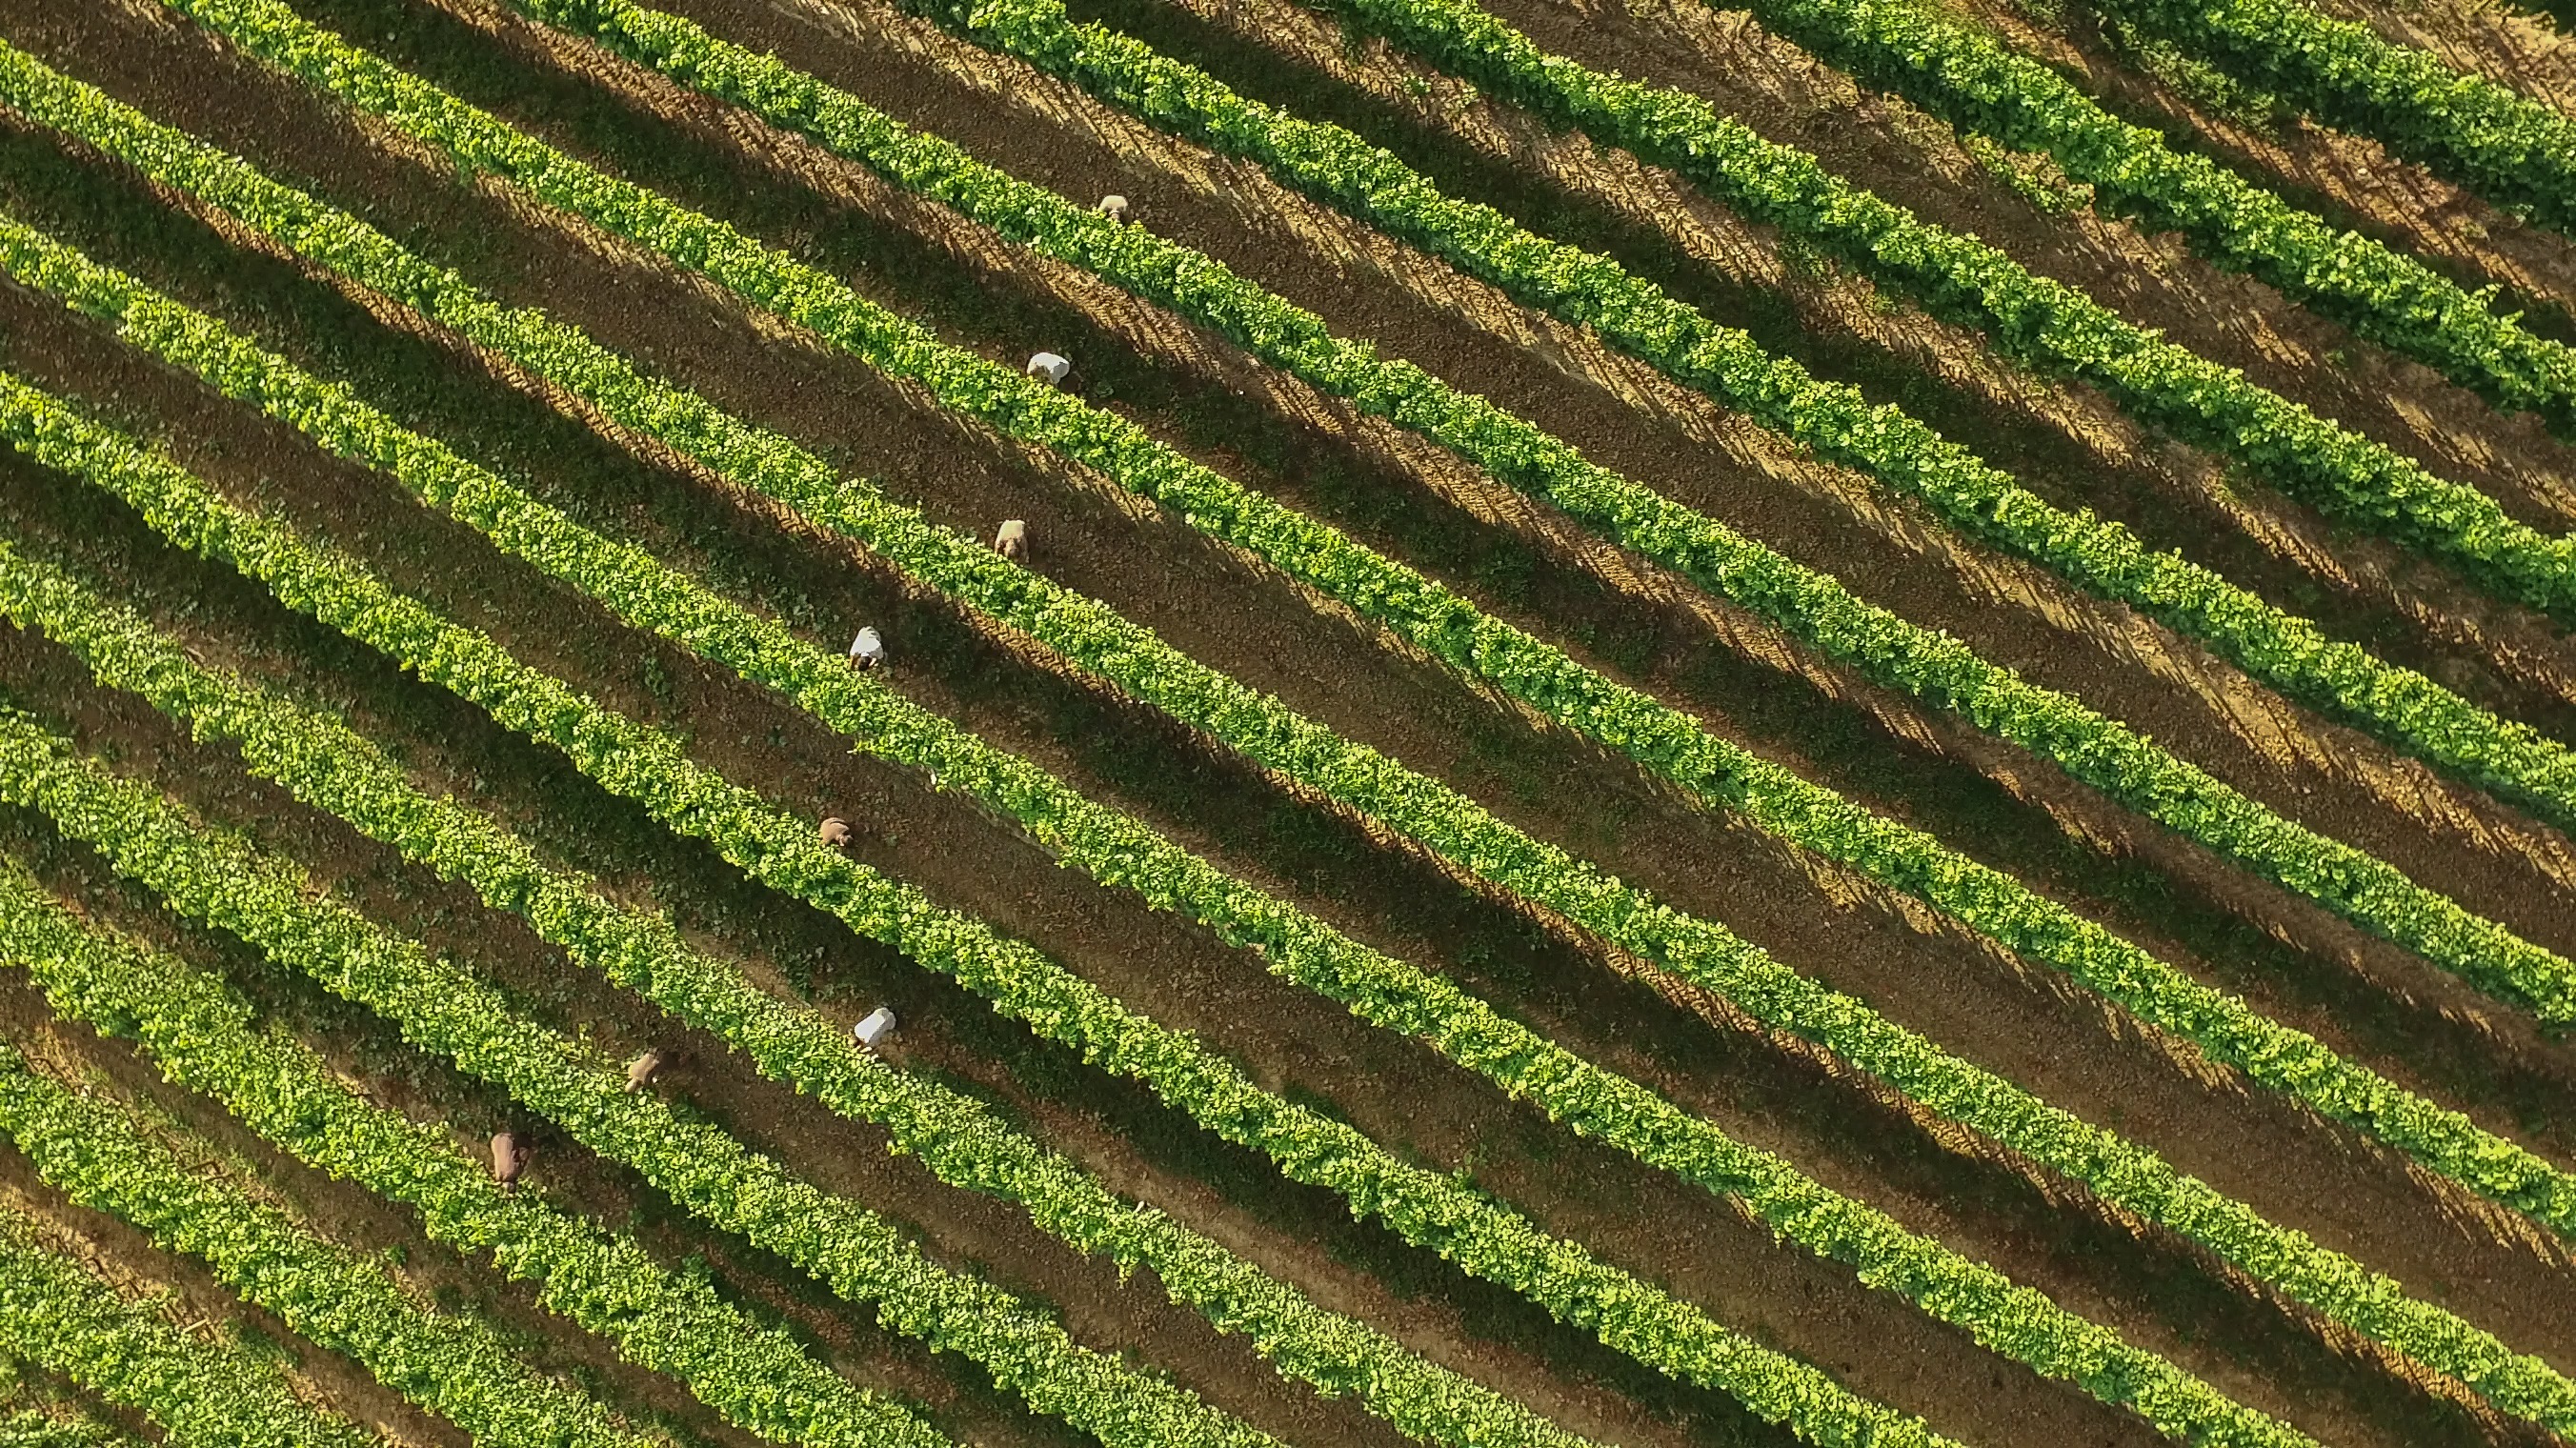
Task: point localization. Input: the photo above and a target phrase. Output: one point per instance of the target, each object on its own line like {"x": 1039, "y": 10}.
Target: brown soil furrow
{"x": 194, "y": 1300}
{"x": 373, "y": 1062}
{"x": 2347, "y": 177}
{"x": 989, "y": 1238}
{"x": 2114, "y": 630}
{"x": 2531, "y": 54}
{"x": 1133, "y": 590}
{"x": 687, "y": 340}
{"x": 1785, "y": 93}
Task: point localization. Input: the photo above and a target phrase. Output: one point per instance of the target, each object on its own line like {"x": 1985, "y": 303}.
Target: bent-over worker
{"x": 1114, "y": 206}
{"x": 867, "y": 650}
{"x": 1050, "y": 368}
{"x": 507, "y": 1159}
{"x": 641, "y": 1070}
{"x": 1012, "y": 541}
{"x": 835, "y": 833}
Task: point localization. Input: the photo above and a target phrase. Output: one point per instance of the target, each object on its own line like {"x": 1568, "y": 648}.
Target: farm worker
{"x": 1013, "y": 539}
{"x": 507, "y": 1159}
{"x": 835, "y": 833}
{"x": 1051, "y": 367}
{"x": 640, "y": 1071}
{"x": 872, "y": 1030}
{"x": 1114, "y": 207}
{"x": 867, "y": 650}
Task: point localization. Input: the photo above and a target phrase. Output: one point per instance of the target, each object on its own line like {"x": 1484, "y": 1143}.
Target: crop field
{"x": 1847, "y": 723}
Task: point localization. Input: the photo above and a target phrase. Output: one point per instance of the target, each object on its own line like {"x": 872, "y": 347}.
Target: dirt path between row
{"x": 2370, "y": 795}
{"x": 895, "y": 445}
{"x": 368, "y": 1055}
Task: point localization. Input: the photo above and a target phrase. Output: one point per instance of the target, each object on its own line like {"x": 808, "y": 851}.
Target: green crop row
{"x": 2031, "y": 317}
{"x": 1435, "y": 1211}
{"x": 2517, "y": 152}
{"x": 451, "y": 1364}
{"x": 336, "y": 773}
{"x": 63, "y": 1318}
{"x": 1967, "y": 77}
{"x": 218, "y": 877}
{"x": 62, "y": 1424}
{"x": 2101, "y": 752}
{"x": 2039, "y": 319}
{"x": 1440, "y": 621}
{"x": 201, "y": 1033}
{"x": 331, "y": 767}
{"x": 1098, "y": 639}
{"x": 2290, "y": 654}
{"x": 1341, "y": 170}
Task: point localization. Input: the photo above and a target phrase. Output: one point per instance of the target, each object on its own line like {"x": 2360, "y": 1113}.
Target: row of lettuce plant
{"x": 218, "y": 877}
{"x": 1477, "y": 1234}
{"x": 2288, "y": 653}
{"x": 1968, "y": 77}
{"x": 2100, "y": 751}
{"x": 62, "y": 1423}
{"x": 2517, "y": 152}
{"x": 456, "y": 1365}
{"x": 2121, "y": 1172}
{"x": 61, "y": 1316}
{"x": 756, "y": 836}
{"x": 331, "y": 767}
{"x": 2035, "y": 318}
{"x": 2038, "y": 319}
{"x": 1432, "y": 616}
{"x": 204, "y": 1037}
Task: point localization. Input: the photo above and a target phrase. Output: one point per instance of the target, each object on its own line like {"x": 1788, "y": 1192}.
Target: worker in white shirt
{"x": 867, "y": 650}
{"x": 1114, "y": 207}
{"x": 1050, "y": 368}
{"x": 1012, "y": 541}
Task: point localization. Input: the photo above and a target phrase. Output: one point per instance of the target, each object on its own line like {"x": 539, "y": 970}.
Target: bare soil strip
{"x": 890, "y": 444}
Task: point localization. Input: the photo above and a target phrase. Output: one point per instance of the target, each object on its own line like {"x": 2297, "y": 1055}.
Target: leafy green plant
{"x": 2042, "y": 321}
{"x": 2517, "y": 152}
{"x": 220, "y": 878}
{"x": 60, "y": 1316}
{"x": 1440, "y": 621}
{"x": 452, "y": 1364}
{"x": 2097, "y": 750}
{"x": 331, "y": 767}
{"x": 217, "y": 876}
{"x": 1966, "y": 76}
{"x": 1089, "y": 634}
{"x": 201, "y": 1034}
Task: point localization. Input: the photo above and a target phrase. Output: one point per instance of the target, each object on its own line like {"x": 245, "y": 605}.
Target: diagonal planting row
{"x": 62, "y": 1423}
{"x": 218, "y": 877}
{"x": 330, "y": 767}
{"x": 2036, "y": 318}
{"x": 60, "y": 1316}
{"x": 457, "y": 1366}
{"x": 755, "y": 1375}
{"x": 1586, "y": 288}
{"x": 1934, "y": 667}
{"x": 1968, "y": 77}
{"x": 2116, "y": 1168}
{"x": 1440, "y": 621}
{"x": 1381, "y": 989}
{"x": 2518, "y": 152}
